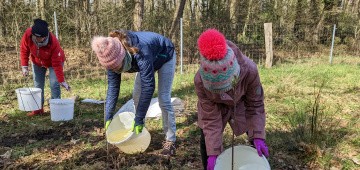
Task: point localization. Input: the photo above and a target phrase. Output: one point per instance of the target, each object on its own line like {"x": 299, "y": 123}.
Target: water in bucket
{"x": 29, "y": 99}
{"x": 120, "y": 134}
{"x": 245, "y": 158}
{"x": 61, "y": 109}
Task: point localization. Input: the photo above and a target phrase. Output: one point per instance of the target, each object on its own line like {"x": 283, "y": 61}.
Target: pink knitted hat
{"x": 218, "y": 63}
{"x": 109, "y": 51}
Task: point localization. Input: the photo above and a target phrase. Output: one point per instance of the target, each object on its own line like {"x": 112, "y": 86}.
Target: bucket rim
{"x": 61, "y": 101}
{"x": 244, "y": 148}
{"x": 28, "y": 90}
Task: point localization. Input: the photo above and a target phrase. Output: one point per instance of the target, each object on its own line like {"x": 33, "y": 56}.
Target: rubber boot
{"x": 36, "y": 112}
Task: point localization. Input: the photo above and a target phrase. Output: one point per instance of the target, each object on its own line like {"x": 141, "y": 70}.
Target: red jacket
{"x": 216, "y": 110}
{"x": 50, "y": 55}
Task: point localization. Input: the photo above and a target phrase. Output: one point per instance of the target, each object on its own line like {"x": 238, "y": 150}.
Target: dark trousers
{"x": 204, "y": 156}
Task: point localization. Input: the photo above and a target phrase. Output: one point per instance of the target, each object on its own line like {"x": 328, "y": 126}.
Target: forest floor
{"x": 313, "y": 114}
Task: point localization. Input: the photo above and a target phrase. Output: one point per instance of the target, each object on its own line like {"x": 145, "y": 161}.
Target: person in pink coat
{"x": 229, "y": 91}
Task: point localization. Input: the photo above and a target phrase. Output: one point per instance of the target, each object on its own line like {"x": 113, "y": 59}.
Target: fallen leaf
{"x": 6, "y": 155}
{"x": 14, "y": 135}
{"x": 90, "y": 156}
{"x": 356, "y": 161}
{"x": 74, "y": 141}
{"x": 32, "y": 141}
{"x": 35, "y": 150}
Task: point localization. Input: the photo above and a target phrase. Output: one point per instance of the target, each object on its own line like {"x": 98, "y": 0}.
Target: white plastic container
{"x": 61, "y": 109}
{"x": 120, "y": 134}
{"x": 245, "y": 158}
{"x": 29, "y": 99}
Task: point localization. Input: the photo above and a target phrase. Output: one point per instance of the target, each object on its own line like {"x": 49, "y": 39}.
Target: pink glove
{"x": 261, "y": 147}
{"x": 211, "y": 161}
{"x": 65, "y": 85}
{"x": 25, "y": 70}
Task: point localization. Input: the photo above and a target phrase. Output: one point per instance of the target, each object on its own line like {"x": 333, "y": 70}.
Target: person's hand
{"x": 25, "y": 70}
{"x": 211, "y": 161}
{"x": 261, "y": 147}
{"x": 137, "y": 128}
{"x": 107, "y": 123}
{"x": 65, "y": 85}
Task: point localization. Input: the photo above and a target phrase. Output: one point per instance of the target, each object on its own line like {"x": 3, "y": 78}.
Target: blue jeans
{"x": 39, "y": 82}
{"x": 166, "y": 76}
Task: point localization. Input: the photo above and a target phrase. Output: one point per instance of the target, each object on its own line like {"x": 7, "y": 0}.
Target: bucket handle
{"x": 32, "y": 95}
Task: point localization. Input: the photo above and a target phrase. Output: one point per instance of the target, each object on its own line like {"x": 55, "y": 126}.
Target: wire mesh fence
{"x": 77, "y": 29}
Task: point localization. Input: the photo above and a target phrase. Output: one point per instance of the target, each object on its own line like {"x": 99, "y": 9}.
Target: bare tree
{"x": 2, "y": 20}
{"x": 316, "y": 21}
{"x": 42, "y": 9}
{"x": 300, "y": 20}
{"x": 138, "y": 14}
{"x": 178, "y": 14}
{"x": 233, "y": 8}
{"x": 247, "y": 19}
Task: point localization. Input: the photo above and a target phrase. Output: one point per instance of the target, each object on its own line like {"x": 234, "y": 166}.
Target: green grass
{"x": 290, "y": 90}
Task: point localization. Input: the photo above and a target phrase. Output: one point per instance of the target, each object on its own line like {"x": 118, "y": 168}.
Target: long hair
{"x": 122, "y": 36}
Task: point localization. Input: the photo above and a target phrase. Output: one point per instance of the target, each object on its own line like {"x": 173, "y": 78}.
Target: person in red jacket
{"x": 44, "y": 51}
{"x": 229, "y": 91}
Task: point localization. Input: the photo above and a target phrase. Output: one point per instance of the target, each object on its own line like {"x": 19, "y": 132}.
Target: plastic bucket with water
{"x": 120, "y": 134}
{"x": 61, "y": 109}
{"x": 245, "y": 158}
{"x": 29, "y": 99}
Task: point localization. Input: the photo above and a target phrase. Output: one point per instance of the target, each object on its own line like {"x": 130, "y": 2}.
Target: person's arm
{"x": 209, "y": 119}
{"x": 254, "y": 103}
{"x": 114, "y": 80}
{"x": 24, "y": 51}
{"x": 57, "y": 58}
{"x": 146, "y": 71}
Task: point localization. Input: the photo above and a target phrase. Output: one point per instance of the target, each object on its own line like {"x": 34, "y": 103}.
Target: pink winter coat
{"x": 215, "y": 110}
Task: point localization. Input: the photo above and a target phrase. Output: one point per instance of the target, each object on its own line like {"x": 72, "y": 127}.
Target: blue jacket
{"x": 154, "y": 51}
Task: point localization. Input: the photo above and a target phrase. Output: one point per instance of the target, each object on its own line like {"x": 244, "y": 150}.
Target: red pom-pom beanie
{"x": 218, "y": 63}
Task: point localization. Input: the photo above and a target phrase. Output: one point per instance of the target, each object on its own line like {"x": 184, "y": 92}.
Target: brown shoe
{"x": 168, "y": 148}
{"x": 36, "y": 112}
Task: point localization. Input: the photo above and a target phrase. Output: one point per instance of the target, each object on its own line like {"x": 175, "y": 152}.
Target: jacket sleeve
{"x": 254, "y": 103}
{"x": 24, "y": 51}
{"x": 57, "y": 57}
{"x": 146, "y": 71}
{"x": 114, "y": 80}
{"x": 209, "y": 120}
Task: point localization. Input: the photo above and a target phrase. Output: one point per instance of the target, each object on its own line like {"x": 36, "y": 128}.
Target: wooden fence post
{"x": 268, "y": 44}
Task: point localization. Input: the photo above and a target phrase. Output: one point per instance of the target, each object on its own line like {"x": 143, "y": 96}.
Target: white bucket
{"x": 120, "y": 134}
{"x": 29, "y": 99}
{"x": 61, "y": 109}
{"x": 245, "y": 158}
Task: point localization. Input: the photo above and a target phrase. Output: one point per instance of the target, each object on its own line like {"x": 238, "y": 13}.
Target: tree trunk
{"x": 233, "y": 13}
{"x": 42, "y": 9}
{"x": 77, "y": 24}
{"x": 247, "y": 19}
{"x": 138, "y": 14}
{"x": 316, "y": 21}
{"x": 300, "y": 18}
{"x": 198, "y": 10}
{"x": 178, "y": 14}
{"x": 37, "y": 10}
{"x": 2, "y": 20}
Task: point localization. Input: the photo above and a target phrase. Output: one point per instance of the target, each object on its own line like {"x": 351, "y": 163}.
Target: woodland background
{"x": 300, "y": 27}
{"x": 313, "y": 109}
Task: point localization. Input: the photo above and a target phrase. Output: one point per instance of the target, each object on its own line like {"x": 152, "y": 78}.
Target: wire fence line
{"x": 82, "y": 63}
